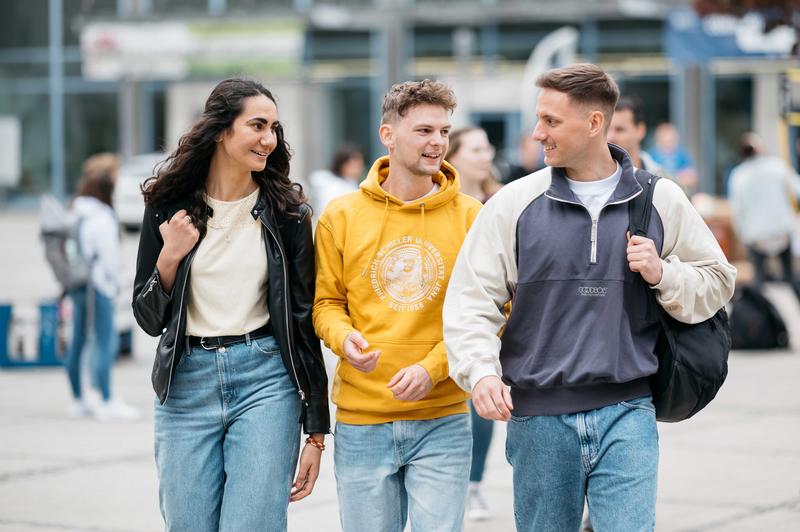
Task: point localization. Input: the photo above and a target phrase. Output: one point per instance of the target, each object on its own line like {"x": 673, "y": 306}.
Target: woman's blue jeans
{"x": 227, "y": 440}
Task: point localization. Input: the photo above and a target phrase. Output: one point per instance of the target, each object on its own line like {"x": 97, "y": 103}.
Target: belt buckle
{"x": 203, "y": 345}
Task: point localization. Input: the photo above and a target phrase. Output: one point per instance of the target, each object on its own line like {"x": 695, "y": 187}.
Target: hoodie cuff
{"x": 436, "y": 371}
{"x": 338, "y": 340}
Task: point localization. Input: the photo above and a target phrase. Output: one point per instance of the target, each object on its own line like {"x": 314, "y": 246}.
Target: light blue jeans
{"x": 608, "y": 456}
{"x": 390, "y": 472}
{"x": 92, "y": 316}
{"x": 227, "y": 440}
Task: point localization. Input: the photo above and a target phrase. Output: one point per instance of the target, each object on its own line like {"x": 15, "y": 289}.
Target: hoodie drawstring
{"x": 422, "y": 248}
{"x": 380, "y": 234}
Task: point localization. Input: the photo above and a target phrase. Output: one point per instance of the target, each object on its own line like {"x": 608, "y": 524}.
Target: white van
{"x": 128, "y": 200}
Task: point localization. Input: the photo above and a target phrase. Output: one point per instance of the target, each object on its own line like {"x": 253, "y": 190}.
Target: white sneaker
{"x": 79, "y": 408}
{"x": 477, "y": 509}
{"x": 116, "y": 410}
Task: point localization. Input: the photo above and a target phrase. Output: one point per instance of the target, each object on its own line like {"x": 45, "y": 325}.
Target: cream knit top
{"x": 228, "y": 282}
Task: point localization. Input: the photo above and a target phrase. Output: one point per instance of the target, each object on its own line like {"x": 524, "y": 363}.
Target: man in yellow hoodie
{"x": 384, "y": 256}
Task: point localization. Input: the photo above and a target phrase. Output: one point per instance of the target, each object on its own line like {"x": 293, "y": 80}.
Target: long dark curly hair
{"x": 182, "y": 176}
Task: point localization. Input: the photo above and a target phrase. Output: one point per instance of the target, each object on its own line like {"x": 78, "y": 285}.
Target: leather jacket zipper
{"x": 286, "y": 309}
{"x": 180, "y": 311}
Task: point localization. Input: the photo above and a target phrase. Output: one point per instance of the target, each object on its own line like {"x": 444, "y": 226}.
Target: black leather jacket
{"x": 290, "y": 256}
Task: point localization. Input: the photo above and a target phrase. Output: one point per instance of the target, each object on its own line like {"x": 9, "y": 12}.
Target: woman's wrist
{"x": 317, "y": 440}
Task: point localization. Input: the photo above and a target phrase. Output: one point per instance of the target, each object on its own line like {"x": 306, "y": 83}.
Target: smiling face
{"x": 418, "y": 141}
{"x": 566, "y": 129}
{"x": 252, "y": 136}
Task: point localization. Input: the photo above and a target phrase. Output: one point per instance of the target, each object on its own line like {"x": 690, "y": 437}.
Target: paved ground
{"x": 732, "y": 468}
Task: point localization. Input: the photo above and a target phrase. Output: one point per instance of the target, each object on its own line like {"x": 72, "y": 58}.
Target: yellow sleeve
{"x": 435, "y": 363}
{"x": 332, "y": 322}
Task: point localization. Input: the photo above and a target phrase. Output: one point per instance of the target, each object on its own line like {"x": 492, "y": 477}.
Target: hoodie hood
{"x": 447, "y": 179}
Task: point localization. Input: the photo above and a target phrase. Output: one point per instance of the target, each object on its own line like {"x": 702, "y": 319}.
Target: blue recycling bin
{"x": 48, "y": 336}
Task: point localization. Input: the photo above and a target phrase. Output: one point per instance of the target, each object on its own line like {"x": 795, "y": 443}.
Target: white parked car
{"x": 128, "y": 201}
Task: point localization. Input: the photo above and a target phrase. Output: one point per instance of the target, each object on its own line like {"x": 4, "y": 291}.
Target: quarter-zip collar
{"x": 627, "y": 188}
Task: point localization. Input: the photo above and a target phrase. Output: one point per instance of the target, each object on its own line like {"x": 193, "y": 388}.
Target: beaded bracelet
{"x": 318, "y": 444}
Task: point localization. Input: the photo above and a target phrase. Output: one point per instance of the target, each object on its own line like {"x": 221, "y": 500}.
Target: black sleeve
{"x": 302, "y": 278}
{"x": 151, "y": 304}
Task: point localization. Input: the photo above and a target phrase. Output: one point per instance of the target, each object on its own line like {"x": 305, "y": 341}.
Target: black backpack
{"x": 692, "y": 358}
{"x": 755, "y": 322}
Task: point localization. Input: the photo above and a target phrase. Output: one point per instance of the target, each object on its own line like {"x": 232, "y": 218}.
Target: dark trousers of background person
{"x": 759, "y": 265}
{"x": 482, "y": 430}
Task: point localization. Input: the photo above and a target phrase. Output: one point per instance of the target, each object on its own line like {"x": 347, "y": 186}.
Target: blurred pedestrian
{"x": 628, "y": 130}
{"x": 225, "y": 275}
{"x": 529, "y": 153}
{"x": 471, "y": 155}
{"x": 346, "y": 170}
{"x": 763, "y": 191}
{"x": 668, "y": 152}
{"x": 93, "y": 303}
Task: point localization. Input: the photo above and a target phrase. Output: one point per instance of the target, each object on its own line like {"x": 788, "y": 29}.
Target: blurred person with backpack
{"x": 98, "y": 244}
{"x": 763, "y": 192}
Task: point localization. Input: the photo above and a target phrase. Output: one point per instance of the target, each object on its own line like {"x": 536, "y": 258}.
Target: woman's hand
{"x": 179, "y": 235}
{"x": 308, "y": 470}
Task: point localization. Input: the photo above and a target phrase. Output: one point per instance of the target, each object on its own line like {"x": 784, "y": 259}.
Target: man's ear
{"x": 597, "y": 123}
{"x": 641, "y": 131}
{"x": 386, "y": 135}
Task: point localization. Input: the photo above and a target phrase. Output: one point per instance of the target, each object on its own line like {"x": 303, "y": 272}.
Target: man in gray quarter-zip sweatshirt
{"x": 576, "y": 350}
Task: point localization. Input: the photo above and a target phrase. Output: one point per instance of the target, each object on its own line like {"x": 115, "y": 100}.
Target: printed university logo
{"x": 592, "y": 291}
{"x": 407, "y": 273}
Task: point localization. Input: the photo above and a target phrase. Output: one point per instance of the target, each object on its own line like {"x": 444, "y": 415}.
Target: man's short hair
{"x": 403, "y": 96}
{"x": 584, "y": 83}
{"x": 634, "y": 105}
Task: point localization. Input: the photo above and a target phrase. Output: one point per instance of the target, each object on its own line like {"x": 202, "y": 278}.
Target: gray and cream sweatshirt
{"x": 582, "y": 326}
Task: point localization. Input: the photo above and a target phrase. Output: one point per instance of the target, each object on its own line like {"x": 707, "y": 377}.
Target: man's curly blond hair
{"x": 403, "y": 96}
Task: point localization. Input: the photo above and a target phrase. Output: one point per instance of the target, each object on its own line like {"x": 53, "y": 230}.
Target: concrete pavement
{"x": 732, "y": 468}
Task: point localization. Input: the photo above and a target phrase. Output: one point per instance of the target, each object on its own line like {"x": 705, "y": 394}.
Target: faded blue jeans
{"x": 482, "y": 430}
{"x": 608, "y": 456}
{"x": 92, "y": 316}
{"x": 403, "y": 470}
{"x": 227, "y": 440}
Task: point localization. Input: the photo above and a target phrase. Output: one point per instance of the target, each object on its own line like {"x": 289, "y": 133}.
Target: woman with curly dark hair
{"x": 225, "y": 275}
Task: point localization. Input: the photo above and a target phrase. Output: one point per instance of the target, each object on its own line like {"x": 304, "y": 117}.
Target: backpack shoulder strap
{"x": 640, "y": 207}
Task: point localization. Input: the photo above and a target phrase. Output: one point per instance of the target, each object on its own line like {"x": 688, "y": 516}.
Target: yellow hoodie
{"x": 370, "y": 278}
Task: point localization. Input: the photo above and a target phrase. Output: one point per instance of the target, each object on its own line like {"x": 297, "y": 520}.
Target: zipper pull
{"x": 593, "y": 255}
{"x": 153, "y": 282}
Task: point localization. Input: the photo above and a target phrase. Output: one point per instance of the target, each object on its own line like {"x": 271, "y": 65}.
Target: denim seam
{"x": 583, "y": 438}
{"x": 221, "y": 379}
